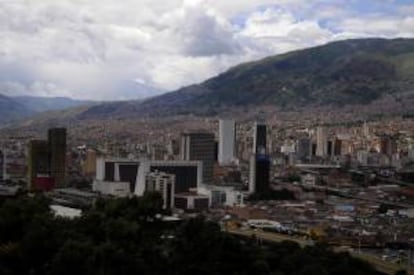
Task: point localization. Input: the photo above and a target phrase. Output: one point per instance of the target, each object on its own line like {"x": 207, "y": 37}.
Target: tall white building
{"x": 227, "y": 141}
{"x": 321, "y": 142}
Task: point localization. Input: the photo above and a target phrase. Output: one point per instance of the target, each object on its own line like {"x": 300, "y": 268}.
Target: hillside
{"x": 11, "y": 110}
{"x": 18, "y": 108}
{"x": 43, "y": 104}
{"x": 337, "y": 74}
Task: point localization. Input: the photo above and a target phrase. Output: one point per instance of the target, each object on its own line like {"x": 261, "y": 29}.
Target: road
{"x": 378, "y": 263}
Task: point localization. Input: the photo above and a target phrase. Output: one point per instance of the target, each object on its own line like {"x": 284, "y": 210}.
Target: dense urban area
{"x": 346, "y": 186}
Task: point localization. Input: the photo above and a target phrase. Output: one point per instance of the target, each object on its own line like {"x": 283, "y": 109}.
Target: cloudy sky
{"x": 122, "y": 49}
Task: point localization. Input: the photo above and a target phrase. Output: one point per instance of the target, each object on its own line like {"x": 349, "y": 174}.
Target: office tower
{"x": 259, "y": 178}
{"x": 163, "y": 183}
{"x": 321, "y": 142}
{"x": 259, "y": 138}
{"x": 200, "y": 146}
{"x": 57, "y": 153}
{"x": 38, "y": 162}
{"x": 304, "y": 149}
{"x": 227, "y": 141}
{"x": 259, "y": 181}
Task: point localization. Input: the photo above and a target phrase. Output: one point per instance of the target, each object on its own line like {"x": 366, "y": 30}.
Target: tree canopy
{"x": 123, "y": 236}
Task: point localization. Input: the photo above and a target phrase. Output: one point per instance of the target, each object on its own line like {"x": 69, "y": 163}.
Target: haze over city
{"x": 114, "y": 50}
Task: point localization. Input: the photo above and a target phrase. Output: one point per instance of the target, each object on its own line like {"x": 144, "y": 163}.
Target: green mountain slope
{"x": 336, "y": 74}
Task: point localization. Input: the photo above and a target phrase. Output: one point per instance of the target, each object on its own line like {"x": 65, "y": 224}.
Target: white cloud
{"x": 112, "y": 49}
{"x": 380, "y": 26}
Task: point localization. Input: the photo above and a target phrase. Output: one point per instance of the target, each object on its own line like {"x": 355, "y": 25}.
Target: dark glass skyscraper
{"x": 259, "y": 146}
{"x": 262, "y": 173}
{"x": 260, "y": 163}
{"x": 57, "y": 153}
{"x": 201, "y": 147}
{"x": 38, "y": 161}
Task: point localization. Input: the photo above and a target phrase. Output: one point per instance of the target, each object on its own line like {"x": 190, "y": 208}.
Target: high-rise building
{"x": 259, "y": 138}
{"x": 259, "y": 174}
{"x": 227, "y": 141}
{"x": 321, "y": 142}
{"x": 259, "y": 178}
{"x": 163, "y": 183}
{"x": 201, "y": 147}
{"x": 57, "y": 151}
{"x": 46, "y": 161}
{"x": 38, "y": 162}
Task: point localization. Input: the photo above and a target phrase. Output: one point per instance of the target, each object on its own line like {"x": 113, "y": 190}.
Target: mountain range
{"x": 11, "y": 109}
{"x": 338, "y": 74}
{"x": 44, "y": 104}
{"x": 349, "y": 72}
{"x": 20, "y": 107}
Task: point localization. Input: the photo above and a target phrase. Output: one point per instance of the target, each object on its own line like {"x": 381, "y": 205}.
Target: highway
{"x": 378, "y": 263}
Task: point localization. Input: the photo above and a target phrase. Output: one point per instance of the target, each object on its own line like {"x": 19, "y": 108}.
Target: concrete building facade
{"x": 321, "y": 142}
{"x": 163, "y": 183}
{"x": 227, "y": 141}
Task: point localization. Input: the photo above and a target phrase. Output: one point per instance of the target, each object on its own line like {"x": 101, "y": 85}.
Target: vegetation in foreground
{"x": 121, "y": 236}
